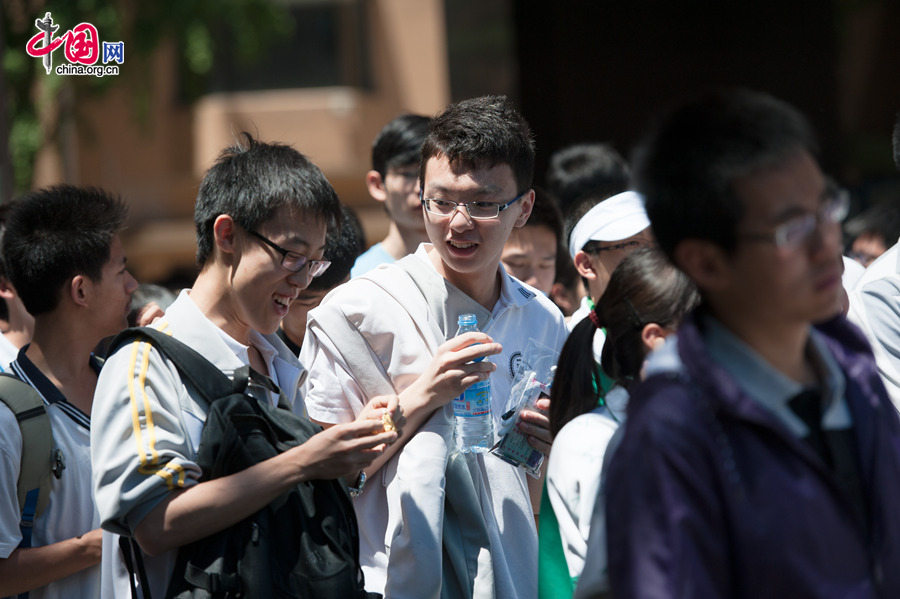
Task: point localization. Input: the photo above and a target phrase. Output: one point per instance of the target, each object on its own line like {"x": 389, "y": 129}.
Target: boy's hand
{"x": 344, "y": 449}
{"x": 452, "y": 371}
{"x": 385, "y": 405}
{"x": 536, "y": 426}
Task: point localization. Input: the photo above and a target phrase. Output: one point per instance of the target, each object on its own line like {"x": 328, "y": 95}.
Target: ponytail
{"x": 574, "y": 392}
{"x": 645, "y": 288}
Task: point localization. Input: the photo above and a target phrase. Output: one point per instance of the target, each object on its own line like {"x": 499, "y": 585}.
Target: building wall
{"x": 153, "y": 149}
{"x": 580, "y": 70}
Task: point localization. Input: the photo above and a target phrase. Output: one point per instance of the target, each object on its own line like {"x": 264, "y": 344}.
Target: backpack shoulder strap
{"x": 33, "y": 486}
{"x": 208, "y": 380}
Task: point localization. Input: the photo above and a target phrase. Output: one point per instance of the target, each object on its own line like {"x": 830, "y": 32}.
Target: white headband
{"x": 615, "y": 218}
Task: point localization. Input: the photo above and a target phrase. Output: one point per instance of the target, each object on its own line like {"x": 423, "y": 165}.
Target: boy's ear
{"x": 704, "y": 262}
{"x": 584, "y": 266}
{"x": 375, "y": 185}
{"x": 527, "y": 203}
{"x": 80, "y": 290}
{"x": 7, "y": 291}
{"x": 224, "y": 229}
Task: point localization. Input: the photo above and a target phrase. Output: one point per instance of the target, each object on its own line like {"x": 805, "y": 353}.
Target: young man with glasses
{"x": 602, "y": 238}
{"x": 598, "y": 242}
{"x": 393, "y": 181}
{"x": 761, "y": 453}
{"x": 261, "y": 216}
{"x": 433, "y": 520}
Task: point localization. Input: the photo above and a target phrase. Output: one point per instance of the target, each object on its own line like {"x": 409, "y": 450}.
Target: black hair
{"x": 896, "y": 141}
{"x": 251, "y": 182}
{"x": 645, "y": 288}
{"x": 342, "y": 247}
{"x": 399, "y": 143}
{"x": 57, "y": 233}
{"x": 143, "y": 295}
{"x": 566, "y": 273}
{"x": 588, "y": 169}
{"x": 687, "y": 166}
{"x": 4, "y": 212}
{"x": 482, "y": 133}
{"x": 882, "y": 219}
{"x": 545, "y": 213}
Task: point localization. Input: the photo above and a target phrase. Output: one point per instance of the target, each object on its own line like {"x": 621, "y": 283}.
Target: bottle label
{"x": 474, "y": 401}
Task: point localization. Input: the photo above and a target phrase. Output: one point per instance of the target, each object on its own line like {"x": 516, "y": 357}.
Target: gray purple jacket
{"x": 710, "y": 495}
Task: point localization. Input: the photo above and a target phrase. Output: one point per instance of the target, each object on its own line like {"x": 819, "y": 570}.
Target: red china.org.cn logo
{"x": 81, "y": 47}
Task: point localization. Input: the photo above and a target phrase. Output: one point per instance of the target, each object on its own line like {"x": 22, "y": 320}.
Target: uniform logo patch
{"x": 517, "y": 365}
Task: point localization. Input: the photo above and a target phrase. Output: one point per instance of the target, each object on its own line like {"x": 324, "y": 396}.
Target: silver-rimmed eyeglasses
{"x": 478, "y": 210}
{"x": 796, "y": 231}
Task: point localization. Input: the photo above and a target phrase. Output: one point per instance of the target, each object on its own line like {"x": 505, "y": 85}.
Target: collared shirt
{"x": 8, "y": 353}
{"x": 875, "y": 308}
{"x": 771, "y": 388}
{"x": 148, "y": 423}
{"x": 284, "y": 373}
{"x": 726, "y": 497}
{"x": 25, "y": 369}
{"x": 71, "y": 511}
{"x": 402, "y": 320}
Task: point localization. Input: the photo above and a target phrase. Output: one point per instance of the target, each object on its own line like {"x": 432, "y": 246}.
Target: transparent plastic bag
{"x": 513, "y": 446}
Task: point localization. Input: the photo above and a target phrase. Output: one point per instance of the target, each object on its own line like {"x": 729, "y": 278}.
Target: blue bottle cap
{"x": 466, "y": 319}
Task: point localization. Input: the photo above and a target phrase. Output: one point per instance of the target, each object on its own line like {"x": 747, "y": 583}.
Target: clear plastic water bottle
{"x": 474, "y": 425}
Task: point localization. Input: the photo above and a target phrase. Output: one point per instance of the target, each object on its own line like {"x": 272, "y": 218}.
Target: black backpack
{"x": 303, "y": 544}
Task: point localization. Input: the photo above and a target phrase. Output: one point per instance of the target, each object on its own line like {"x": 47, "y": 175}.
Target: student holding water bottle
{"x": 434, "y": 521}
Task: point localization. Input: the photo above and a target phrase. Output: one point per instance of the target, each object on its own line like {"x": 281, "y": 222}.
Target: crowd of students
{"x": 714, "y": 426}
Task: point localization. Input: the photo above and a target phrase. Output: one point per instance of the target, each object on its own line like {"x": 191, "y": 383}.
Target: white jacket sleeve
{"x": 875, "y": 308}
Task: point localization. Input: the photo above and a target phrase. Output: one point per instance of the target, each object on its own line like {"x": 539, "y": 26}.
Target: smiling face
{"x": 262, "y": 289}
{"x": 470, "y": 249}
{"x": 784, "y": 285}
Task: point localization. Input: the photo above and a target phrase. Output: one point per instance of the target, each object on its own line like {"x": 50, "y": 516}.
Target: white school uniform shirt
{"x": 875, "y": 308}
{"x": 574, "y": 474}
{"x": 147, "y": 428}
{"x": 70, "y": 511}
{"x": 523, "y": 320}
{"x": 8, "y": 353}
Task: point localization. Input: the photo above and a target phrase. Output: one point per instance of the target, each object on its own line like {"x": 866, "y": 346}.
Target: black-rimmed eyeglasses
{"x": 594, "y": 247}
{"x": 293, "y": 261}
